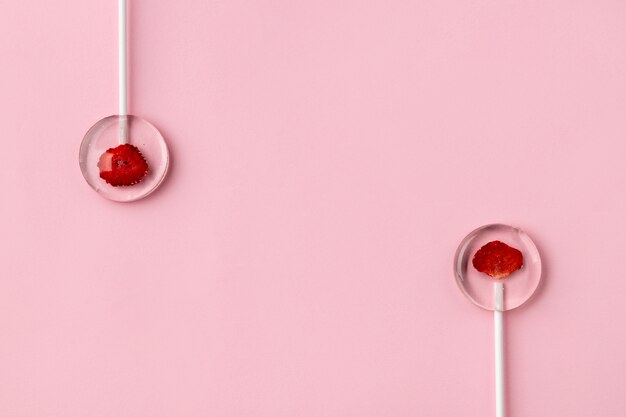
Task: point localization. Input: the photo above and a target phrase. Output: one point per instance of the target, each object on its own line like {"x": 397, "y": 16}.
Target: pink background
{"x": 328, "y": 157}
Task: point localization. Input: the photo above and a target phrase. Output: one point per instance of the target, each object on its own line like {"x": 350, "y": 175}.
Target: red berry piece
{"x": 122, "y": 165}
{"x": 498, "y": 260}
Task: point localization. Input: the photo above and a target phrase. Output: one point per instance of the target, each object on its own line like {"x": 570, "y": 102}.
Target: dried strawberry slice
{"x": 497, "y": 259}
{"x": 122, "y": 165}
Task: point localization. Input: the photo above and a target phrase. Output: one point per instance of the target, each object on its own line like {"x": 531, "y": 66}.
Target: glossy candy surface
{"x": 123, "y": 172}
{"x": 477, "y": 286}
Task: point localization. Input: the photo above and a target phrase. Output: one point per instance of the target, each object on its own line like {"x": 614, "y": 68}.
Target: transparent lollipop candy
{"x": 123, "y": 157}
{"x": 123, "y": 171}
{"x": 498, "y": 268}
{"x": 478, "y": 286}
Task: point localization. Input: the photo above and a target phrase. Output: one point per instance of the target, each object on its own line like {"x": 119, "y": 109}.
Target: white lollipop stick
{"x": 498, "y": 299}
{"x": 122, "y": 69}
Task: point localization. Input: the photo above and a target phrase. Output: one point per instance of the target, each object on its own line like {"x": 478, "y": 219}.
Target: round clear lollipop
{"x": 123, "y": 157}
{"x": 508, "y": 254}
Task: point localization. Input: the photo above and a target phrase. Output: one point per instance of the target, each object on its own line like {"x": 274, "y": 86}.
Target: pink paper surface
{"x": 327, "y": 158}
